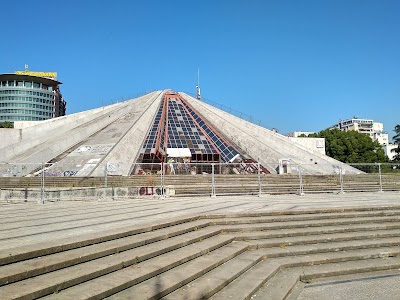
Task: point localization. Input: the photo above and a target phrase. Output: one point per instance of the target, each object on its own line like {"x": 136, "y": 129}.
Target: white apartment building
{"x": 366, "y": 126}
{"x": 389, "y": 150}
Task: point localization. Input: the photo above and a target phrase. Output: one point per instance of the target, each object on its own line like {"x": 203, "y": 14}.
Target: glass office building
{"x": 29, "y": 98}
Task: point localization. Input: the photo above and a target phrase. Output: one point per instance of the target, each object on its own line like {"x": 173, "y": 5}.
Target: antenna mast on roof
{"x": 198, "y": 95}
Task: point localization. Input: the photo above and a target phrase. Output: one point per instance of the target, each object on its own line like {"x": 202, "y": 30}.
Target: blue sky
{"x": 294, "y": 65}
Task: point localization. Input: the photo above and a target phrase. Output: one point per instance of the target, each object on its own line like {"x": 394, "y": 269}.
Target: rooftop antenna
{"x": 198, "y": 95}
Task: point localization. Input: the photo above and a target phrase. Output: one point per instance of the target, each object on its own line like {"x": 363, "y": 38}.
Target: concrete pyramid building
{"x": 150, "y": 129}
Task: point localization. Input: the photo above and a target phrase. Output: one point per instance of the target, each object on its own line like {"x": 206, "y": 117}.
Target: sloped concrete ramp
{"x": 80, "y": 144}
{"x": 264, "y": 144}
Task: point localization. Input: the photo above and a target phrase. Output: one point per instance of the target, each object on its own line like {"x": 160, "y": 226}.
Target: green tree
{"x": 352, "y": 147}
{"x": 6, "y": 125}
{"x": 311, "y": 135}
{"x": 396, "y": 140}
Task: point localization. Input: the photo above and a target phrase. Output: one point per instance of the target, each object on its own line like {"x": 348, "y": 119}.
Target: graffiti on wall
{"x": 151, "y": 191}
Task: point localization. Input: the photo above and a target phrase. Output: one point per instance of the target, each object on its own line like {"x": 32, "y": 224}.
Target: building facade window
{"x": 29, "y": 98}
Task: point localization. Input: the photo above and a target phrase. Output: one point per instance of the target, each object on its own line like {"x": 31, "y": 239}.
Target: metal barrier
{"x": 43, "y": 182}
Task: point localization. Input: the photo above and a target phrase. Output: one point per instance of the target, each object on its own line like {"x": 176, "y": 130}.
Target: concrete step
{"x": 322, "y": 216}
{"x": 32, "y": 251}
{"x": 249, "y": 282}
{"x": 370, "y": 285}
{"x": 291, "y": 232}
{"x": 43, "y": 229}
{"x": 37, "y": 266}
{"x": 280, "y": 286}
{"x": 12, "y": 255}
{"x": 198, "y": 256}
{"x": 266, "y": 241}
{"x": 388, "y": 261}
{"x": 288, "y": 250}
{"x": 307, "y": 224}
{"x": 206, "y": 286}
{"x": 159, "y": 285}
{"x": 374, "y": 209}
{"x": 247, "y": 285}
{"x": 55, "y": 281}
{"x": 328, "y": 213}
{"x": 164, "y": 284}
{"x": 48, "y": 263}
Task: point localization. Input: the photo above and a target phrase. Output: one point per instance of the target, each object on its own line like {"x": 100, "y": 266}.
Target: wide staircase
{"x": 225, "y": 256}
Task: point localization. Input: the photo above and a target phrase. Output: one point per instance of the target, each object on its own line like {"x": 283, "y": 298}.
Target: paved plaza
{"x": 28, "y": 223}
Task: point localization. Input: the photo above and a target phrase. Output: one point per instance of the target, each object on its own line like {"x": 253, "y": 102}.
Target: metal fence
{"x": 43, "y": 182}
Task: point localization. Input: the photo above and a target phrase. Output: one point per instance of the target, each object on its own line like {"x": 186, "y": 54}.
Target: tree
{"x": 352, "y": 147}
{"x": 396, "y": 140}
{"x": 311, "y": 135}
{"x": 6, "y": 125}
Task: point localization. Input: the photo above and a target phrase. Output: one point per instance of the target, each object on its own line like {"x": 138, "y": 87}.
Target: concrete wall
{"x": 314, "y": 144}
{"x": 298, "y": 133}
{"x": 84, "y": 194}
{"x": 9, "y": 136}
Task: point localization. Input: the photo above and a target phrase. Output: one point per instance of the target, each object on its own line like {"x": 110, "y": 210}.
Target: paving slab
{"x": 382, "y": 286}
{"x": 145, "y": 225}
{"x": 27, "y": 223}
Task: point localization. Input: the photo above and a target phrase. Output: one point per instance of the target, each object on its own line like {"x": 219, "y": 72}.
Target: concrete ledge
{"x": 85, "y": 194}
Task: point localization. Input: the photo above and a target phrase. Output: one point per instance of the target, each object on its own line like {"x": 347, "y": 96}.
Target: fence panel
{"x": 238, "y": 179}
{"x": 43, "y": 182}
{"x": 189, "y": 179}
{"x": 368, "y": 181}
{"x": 323, "y": 183}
